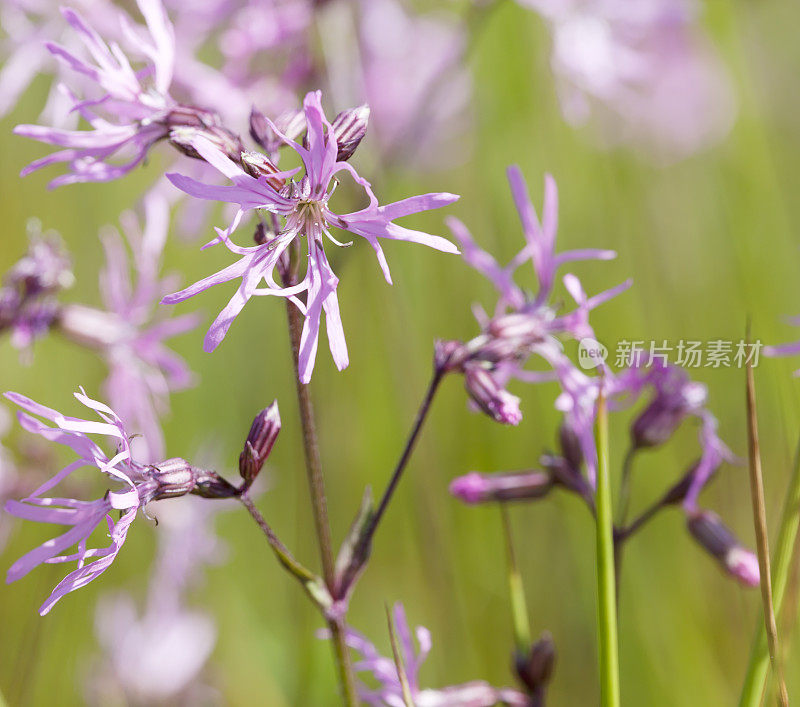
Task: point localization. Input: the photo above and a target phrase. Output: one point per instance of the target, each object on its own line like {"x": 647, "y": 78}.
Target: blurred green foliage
{"x": 707, "y": 241}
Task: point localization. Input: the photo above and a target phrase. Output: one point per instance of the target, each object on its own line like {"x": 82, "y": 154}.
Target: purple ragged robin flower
{"x": 304, "y": 208}
{"x": 83, "y": 517}
{"x": 390, "y": 693}
{"x": 129, "y": 110}
{"x": 129, "y": 333}
{"x": 135, "y": 485}
{"x": 522, "y": 326}
{"x": 28, "y": 304}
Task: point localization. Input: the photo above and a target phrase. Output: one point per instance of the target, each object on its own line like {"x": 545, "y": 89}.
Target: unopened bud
{"x": 536, "y": 668}
{"x": 659, "y": 420}
{"x": 263, "y": 433}
{"x": 349, "y": 127}
{"x": 182, "y": 135}
{"x": 448, "y": 355}
{"x": 721, "y": 543}
{"x": 291, "y": 124}
{"x": 570, "y": 446}
{"x": 259, "y": 165}
{"x": 494, "y": 400}
{"x": 514, "y": 486}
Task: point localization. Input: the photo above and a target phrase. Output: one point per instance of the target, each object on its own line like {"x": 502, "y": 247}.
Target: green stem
{"x": 519, "y": 608}
{"x": 758, "y": 667}
{"x": 319, "y": 507}
{"x": 625, "y": 486}
{"x": 606, "y": 592}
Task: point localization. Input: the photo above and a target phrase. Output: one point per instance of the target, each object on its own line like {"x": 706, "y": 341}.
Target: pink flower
{"x": 126, "y": 114}
{"x": 129, "y": 334}
{"x": 643, "y": 73}
{"x": 304, "y": 208}
{"x": 83, "y": 517}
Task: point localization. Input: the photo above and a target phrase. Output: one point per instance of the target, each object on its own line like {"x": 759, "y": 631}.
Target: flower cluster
{"x": 522, "y": 327}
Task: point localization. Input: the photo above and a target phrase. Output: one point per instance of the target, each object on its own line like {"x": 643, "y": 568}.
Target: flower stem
{"x": 762, "y": 543}
{"x": 625, "y": 486}
{"x": 606, "y": 592}
{"x": 757, "y": 668}
{"x": 319, "y": 506}
{"x": 519, "y": 608}
{"x": 422, "y": 415}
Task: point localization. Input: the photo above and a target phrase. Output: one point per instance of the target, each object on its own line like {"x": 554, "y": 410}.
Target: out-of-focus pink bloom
{"x": 28, "y": 304}
{"x": 409, "y": 67}
{"x": 792, "y": 349}
{"x": 83, "y": 517}
{"x": 158, "y": 654}
{"x": 304, "y": 207}
{"x": 643, "y": 72}
{"x": 143, "y": 371}
{"x": 390, "y": 693}
{"x": 129, "y": 109}
{"x": 8, "y": 474}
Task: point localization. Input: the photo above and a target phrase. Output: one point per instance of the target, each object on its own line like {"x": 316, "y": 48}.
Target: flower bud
{"x": 570, "y": 447}
{"x": 536, "y": 668}
{"x": 719, "y": 541}
{"x": 349, "y": 127}
{"x": 495, "y": 401}
{"x": 659, "y": 420}
{"x": 509, "y": 486}
{"x": 291, "y": 124}
{"x": 448, "y": 355}
{"x": 259, "y": 165}
{"x": 263, "y": 433}
{"x": 181, "y": 135}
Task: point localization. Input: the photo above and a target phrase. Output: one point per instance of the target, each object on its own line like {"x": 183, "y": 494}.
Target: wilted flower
{"x": 304, "y": 207}
{"x": 390, "y": 693}
{"x": 28, "y": 304}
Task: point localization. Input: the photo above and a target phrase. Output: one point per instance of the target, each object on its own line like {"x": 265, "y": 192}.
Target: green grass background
{"x": 707, "y": 241}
